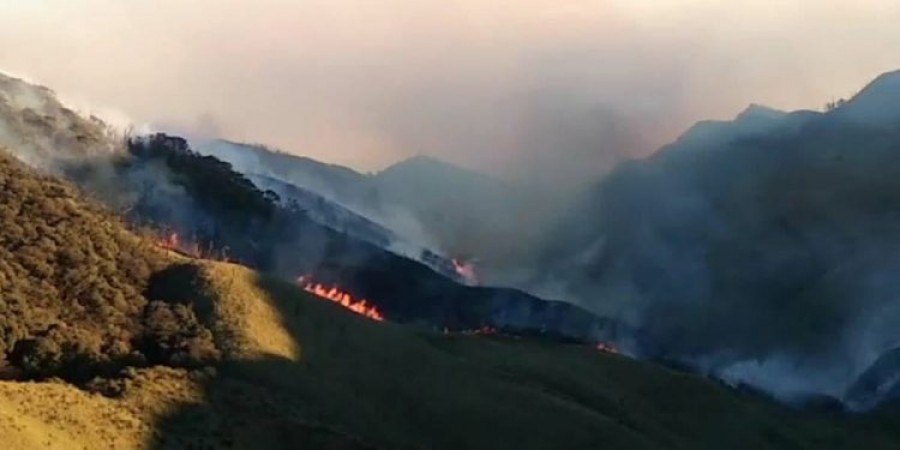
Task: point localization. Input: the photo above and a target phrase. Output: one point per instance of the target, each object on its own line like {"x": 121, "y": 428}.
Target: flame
{"x": 483, "y": 331}
{"x": 607, "y": 347}
{"x": 340, "y": 297}
{"x": 173, "y": 241}
{"x": 170, "y": 241}
{"x": 466, "y": 271}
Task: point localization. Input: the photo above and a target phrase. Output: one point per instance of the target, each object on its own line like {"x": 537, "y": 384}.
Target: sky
{"x": 537, "y": 88}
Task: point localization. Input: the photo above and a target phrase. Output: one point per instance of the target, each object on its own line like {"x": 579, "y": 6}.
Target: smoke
{"x": 762, "y": 251}
{"x": 719, "y": 260}
{"x": 527, "y": 89}
{"x": 38, "y": 129}
{"x": 547, "y": 96}
{"x": 44, "y": 133}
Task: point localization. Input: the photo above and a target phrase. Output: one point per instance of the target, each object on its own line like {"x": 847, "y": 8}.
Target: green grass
{"x": 300, "y": 372}
{"x": 393, "y": 387}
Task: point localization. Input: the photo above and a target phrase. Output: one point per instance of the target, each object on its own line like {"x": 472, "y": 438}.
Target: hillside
{"x": 298, "y": 371}
{"x": 219, "y": 356}
{"x": 219, "y": 209}
{"x": 786, "y": 224}
{"x": 72, "y": 287}
{"x": 205, "y": 206}
{"x": 336, "y": 183}
{"x": 392, "y": 387}
{"x": 470, "y": 214}
{"x": 41, "y": 131}
{"x": 424, "y": 202}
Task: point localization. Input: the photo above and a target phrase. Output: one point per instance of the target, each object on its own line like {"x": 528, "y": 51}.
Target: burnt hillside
{"x": 221, "y": 208}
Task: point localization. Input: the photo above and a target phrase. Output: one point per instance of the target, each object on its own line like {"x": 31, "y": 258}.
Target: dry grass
{"x": 246, "y": 324}
{"x": 357, "y": 381}
{"x": 55, "y": 415}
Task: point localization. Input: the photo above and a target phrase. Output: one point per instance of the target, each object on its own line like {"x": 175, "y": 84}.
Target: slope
{"x": 221, "y": 208}
{"x": 159, "y": 182}
{"x": 223, "y": 357}
{"x": 790, "y": 227}
{"x": 303, "y": 373}
{"x": 72, "y": 282}
{"x": 297, "y": 360}
{"x": 426, "y": 202}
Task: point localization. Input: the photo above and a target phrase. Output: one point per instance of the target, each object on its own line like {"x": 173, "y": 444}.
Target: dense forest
{"x": 74, "y": 284}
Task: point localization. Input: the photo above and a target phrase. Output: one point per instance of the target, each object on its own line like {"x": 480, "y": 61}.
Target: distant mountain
{"x": 342, "y": 220}
{"x": 877, "y": 105}
{"x": 448, "y": 210}
{"x": 753, "y": 121}
{"x": 336, "y": 197}
{"x": 467, "y": 212}
{"x": 758, "y": 249}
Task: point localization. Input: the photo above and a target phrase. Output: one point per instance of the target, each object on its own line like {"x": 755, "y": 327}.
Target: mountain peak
{"x": 757, "y": 111}
{"x": 425, "y": 166}
{"x": 421, "y": 160}
{"x": 877, "y": 104}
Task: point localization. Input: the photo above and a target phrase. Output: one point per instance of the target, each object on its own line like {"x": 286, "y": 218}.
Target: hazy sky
{"x": 510, "y": 86}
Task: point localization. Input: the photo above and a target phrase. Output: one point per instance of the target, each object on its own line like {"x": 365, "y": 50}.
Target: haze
{"x": 523, "y": 87}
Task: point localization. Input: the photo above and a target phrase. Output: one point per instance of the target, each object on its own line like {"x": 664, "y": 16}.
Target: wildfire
{"x": 170, "y": 241}
{"x": 173, "y": 241}
{"x": 466, "y": 271}
{"x": 483, "y": 331}
{"x": 340, "y": 297}
{"x": 606, "y": 347}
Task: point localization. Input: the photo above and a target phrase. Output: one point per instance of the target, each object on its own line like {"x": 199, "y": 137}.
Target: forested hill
{"x": 73, "y": 283}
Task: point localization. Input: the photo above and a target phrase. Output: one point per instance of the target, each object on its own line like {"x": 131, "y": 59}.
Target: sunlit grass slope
{"x": 307, "y": 361}
{"x": 300, "y": 372}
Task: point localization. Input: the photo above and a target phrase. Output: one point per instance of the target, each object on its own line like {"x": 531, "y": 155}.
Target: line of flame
{"x": 362, "y": 307}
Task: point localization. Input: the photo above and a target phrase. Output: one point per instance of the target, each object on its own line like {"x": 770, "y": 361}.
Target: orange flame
{"x": 173, "y": 242}
{"x": 483, "y": 331}
{"x": 340, "y": 297}
{"x": 170, "y": 241}
{"x": 607, "y": 347}
{"x": 466, "y": 271}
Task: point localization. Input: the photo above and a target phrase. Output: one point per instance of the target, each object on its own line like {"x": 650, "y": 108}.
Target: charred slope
{"x": 229, "y": 212}
{"x": 335, "y": 216}
{"x": 762, "y": 254}
{"x": 457, "y": 212}
{"x": 326, "y": 212}
{"x": 334, "y": 182}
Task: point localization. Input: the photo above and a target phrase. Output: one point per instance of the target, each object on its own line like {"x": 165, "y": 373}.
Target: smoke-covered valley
{"x": 760, "y": 251}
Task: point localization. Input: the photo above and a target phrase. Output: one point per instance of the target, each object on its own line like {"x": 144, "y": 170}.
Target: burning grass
{"x": 395, "y": 387}
{"x": 356, "y": 382}
{"x": 335, "y": 294}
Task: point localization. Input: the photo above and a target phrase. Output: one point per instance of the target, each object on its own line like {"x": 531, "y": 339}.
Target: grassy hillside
{"x": 293, "y": 361}
{"x": 301, "y": 371}
{"x": 117, "y": 344}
